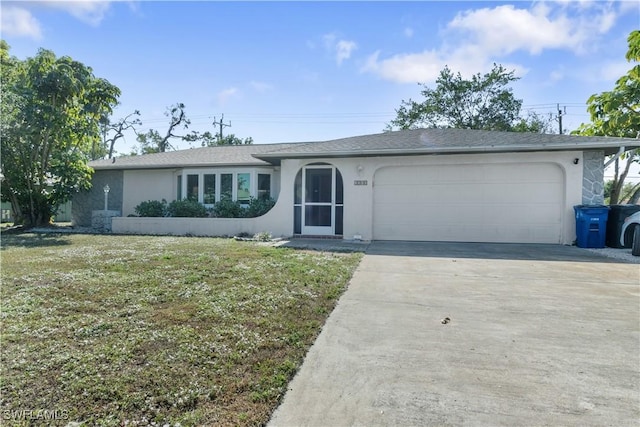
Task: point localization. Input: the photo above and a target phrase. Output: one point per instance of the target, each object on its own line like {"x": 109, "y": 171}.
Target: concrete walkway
{"x": 536, "y": 335}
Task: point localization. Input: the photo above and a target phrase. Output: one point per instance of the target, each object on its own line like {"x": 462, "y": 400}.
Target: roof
{"x": 447, "y": 141}
{"x": 404, "y": 142}
{"x": 226, "y": 155}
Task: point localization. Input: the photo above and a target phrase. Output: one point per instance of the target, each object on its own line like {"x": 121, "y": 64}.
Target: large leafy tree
{"x": 483, "y": 102}
{"x": 51, "y": 109}
{"x": 617, "y": 113}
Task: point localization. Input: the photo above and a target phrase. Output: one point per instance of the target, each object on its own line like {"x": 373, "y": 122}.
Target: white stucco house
{"x": 425, "y": 184}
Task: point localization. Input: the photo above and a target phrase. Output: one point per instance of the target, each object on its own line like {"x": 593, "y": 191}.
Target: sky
{"x": 311, "y": 71}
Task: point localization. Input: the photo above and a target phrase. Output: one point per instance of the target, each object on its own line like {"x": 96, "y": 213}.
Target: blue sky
{"x": 307, "y": 71}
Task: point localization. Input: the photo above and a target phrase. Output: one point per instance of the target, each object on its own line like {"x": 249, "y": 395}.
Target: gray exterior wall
{"x": 593, "y": 178}
{"x": 87, "y": 201}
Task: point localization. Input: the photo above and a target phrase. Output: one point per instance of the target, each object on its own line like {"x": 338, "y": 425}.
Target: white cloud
{"x": 556, "y": 75}
{"x": 506, "y": 29}
{"x": 91, "y": 12}
{"x": 342, "y": 49}
{"x": 260, "y": 86}
{"x": 425, "y": 67}
{"x": 474, "y": 39}
{"x": 225, "y": 95}
{"x": 406, "y": 68}
{"x": 19, "y": 22}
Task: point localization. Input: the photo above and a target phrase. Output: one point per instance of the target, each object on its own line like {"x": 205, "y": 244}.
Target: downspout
{"x": 613, "y": 159}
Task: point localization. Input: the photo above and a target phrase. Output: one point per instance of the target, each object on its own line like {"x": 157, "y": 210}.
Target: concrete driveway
{"x": 538, "y": 335}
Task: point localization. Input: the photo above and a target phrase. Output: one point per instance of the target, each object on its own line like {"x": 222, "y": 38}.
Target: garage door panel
{"x": 481, "y": 203}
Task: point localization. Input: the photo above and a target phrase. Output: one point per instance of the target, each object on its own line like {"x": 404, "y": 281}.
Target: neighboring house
{"x": 425, "y": 184}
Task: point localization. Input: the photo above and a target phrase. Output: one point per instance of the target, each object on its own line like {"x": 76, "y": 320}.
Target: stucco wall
{"x": 85, "y": 202}
{"x": 358, "y": 199}
{"x": 593, "y": 178}
{"x": 143, "y": 185}
{"x": 198, "y": 226}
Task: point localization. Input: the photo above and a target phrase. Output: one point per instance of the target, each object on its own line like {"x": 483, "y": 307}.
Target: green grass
{"x": 130, "y": 330}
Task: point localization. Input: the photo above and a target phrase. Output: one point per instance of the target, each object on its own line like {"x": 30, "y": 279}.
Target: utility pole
{"x": 560, "y": 114}
{"x": 222, "y": 125}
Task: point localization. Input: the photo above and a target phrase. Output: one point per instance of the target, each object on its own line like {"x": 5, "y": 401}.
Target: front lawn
{"x": 130, "y": 330}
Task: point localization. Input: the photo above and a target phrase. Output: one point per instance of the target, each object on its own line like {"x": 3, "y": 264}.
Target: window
{"x": 209, "y": 196}
{"x": 264, "y": 186}
{"x": 226, "y": 185}
{"x": 192, "y": 187}
{"x": 209, "y": 186}
{"x": 244, "y": 192}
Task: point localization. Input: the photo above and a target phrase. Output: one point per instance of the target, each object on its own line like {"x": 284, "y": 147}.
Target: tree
{"x": 112, "y": 132}
{"x": 153, "y": 142}
{"x": 231, "y": 139}
{"x": 207, "y": 139}
{"x": 483, "y": 102}
{"x": 533, "y": 122}
{"x": 617, "y": 113}
{"x": 51, "y": 109}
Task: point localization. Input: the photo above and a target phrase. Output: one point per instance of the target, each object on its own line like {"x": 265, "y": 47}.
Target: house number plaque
{"x": 360, "y": 182}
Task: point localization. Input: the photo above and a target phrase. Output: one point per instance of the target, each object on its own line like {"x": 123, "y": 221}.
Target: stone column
{"x": 593, "y": 178}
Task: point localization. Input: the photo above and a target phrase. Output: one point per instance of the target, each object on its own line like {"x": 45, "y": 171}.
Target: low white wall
{"x": 200, "y": 226}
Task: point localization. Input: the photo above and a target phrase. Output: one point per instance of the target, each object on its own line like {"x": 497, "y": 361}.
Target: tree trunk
{"x": 618, "y": 182}
{"x": 635, "y": 197}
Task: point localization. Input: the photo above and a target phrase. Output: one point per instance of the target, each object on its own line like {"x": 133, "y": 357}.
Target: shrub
{"x": 227, "y": 208}
{"x": 258, "y": 207}
{"x": 152, "y": 208}
{"x": 186, "y": 208}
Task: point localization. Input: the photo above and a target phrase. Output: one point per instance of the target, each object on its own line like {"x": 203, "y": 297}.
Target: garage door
{"x": 470, "y": 203}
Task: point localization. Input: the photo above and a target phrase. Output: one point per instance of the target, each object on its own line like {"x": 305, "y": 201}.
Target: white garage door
{"x": 469, "y": 203}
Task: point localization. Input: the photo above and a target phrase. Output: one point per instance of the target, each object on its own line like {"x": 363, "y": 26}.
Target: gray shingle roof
{"x": 233, "y": 155}
{"x": 443, "y": 141}
{"x": 405, "y": 142}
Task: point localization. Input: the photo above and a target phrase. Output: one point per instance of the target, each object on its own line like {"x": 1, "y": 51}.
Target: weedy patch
{"x": 133, "y": 330}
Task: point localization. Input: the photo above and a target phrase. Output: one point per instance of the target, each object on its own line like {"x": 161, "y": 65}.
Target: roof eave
{"x": 608, "y": 148}
{"x": 179, "y": 166}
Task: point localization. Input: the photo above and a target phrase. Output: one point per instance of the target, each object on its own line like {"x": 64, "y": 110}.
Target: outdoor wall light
{"x": 576, "y": 161}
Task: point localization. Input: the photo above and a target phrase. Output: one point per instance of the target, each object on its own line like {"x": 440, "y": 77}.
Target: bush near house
{"x": 225, "y": 208}
{"x": 259, "y": 207}
{"x": 186, "y": 208}
{"x": 152, "y": 208}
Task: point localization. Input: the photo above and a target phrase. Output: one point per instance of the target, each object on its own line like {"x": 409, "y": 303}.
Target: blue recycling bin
{"x": 591, "y": 225}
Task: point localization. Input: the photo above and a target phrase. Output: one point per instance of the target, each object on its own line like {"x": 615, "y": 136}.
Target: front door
{"x": 318, "y": 200}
